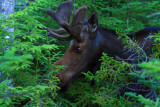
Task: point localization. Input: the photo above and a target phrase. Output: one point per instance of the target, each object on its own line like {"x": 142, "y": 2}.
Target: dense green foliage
{"x": 27, "y": 57}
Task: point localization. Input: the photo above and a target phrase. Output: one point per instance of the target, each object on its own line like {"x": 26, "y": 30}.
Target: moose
{"x": 89, "y": 41}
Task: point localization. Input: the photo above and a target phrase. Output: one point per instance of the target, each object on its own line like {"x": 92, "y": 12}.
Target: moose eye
{"x": 77, "y": 48}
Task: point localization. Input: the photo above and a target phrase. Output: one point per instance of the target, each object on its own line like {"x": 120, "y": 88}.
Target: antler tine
{"x": 63, "y": 13}
{"x": 58, "y": 36}
{"x": 77, "y": 23}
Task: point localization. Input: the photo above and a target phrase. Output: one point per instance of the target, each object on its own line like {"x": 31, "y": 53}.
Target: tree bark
{"x": 6, "y": 8}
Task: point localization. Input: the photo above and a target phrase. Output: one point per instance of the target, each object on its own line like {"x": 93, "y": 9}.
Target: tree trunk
{"x": 6, "y": 8}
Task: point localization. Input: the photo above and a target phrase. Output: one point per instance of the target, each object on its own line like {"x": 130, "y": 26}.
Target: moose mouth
{"x": 64, "y": 86}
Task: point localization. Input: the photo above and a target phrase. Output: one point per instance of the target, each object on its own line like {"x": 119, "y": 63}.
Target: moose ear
{"x": 93, "y": 22}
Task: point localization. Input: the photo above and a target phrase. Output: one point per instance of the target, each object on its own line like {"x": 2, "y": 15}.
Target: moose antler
{"x": 76, "y": 26}
{"x": 62, "y": 16}
{"x": 62, "y": 13}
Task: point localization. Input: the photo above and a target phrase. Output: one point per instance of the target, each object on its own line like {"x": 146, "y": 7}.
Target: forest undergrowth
{"x": 27, "y": 57}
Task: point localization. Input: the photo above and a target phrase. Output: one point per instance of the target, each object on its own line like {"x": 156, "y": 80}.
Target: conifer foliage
{"x": 27, "y": 58}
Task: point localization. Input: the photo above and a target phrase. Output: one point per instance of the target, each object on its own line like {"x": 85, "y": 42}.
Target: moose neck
{"x": 110, "y": 43}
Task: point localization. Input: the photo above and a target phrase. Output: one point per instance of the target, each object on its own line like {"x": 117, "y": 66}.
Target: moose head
{"x": 80, "y": 55}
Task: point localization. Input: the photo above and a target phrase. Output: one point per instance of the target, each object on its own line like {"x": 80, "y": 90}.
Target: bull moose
{"x": 89, "y": 41}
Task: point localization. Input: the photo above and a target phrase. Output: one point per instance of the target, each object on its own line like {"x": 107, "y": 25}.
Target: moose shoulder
{"x": 89, "y": 41}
